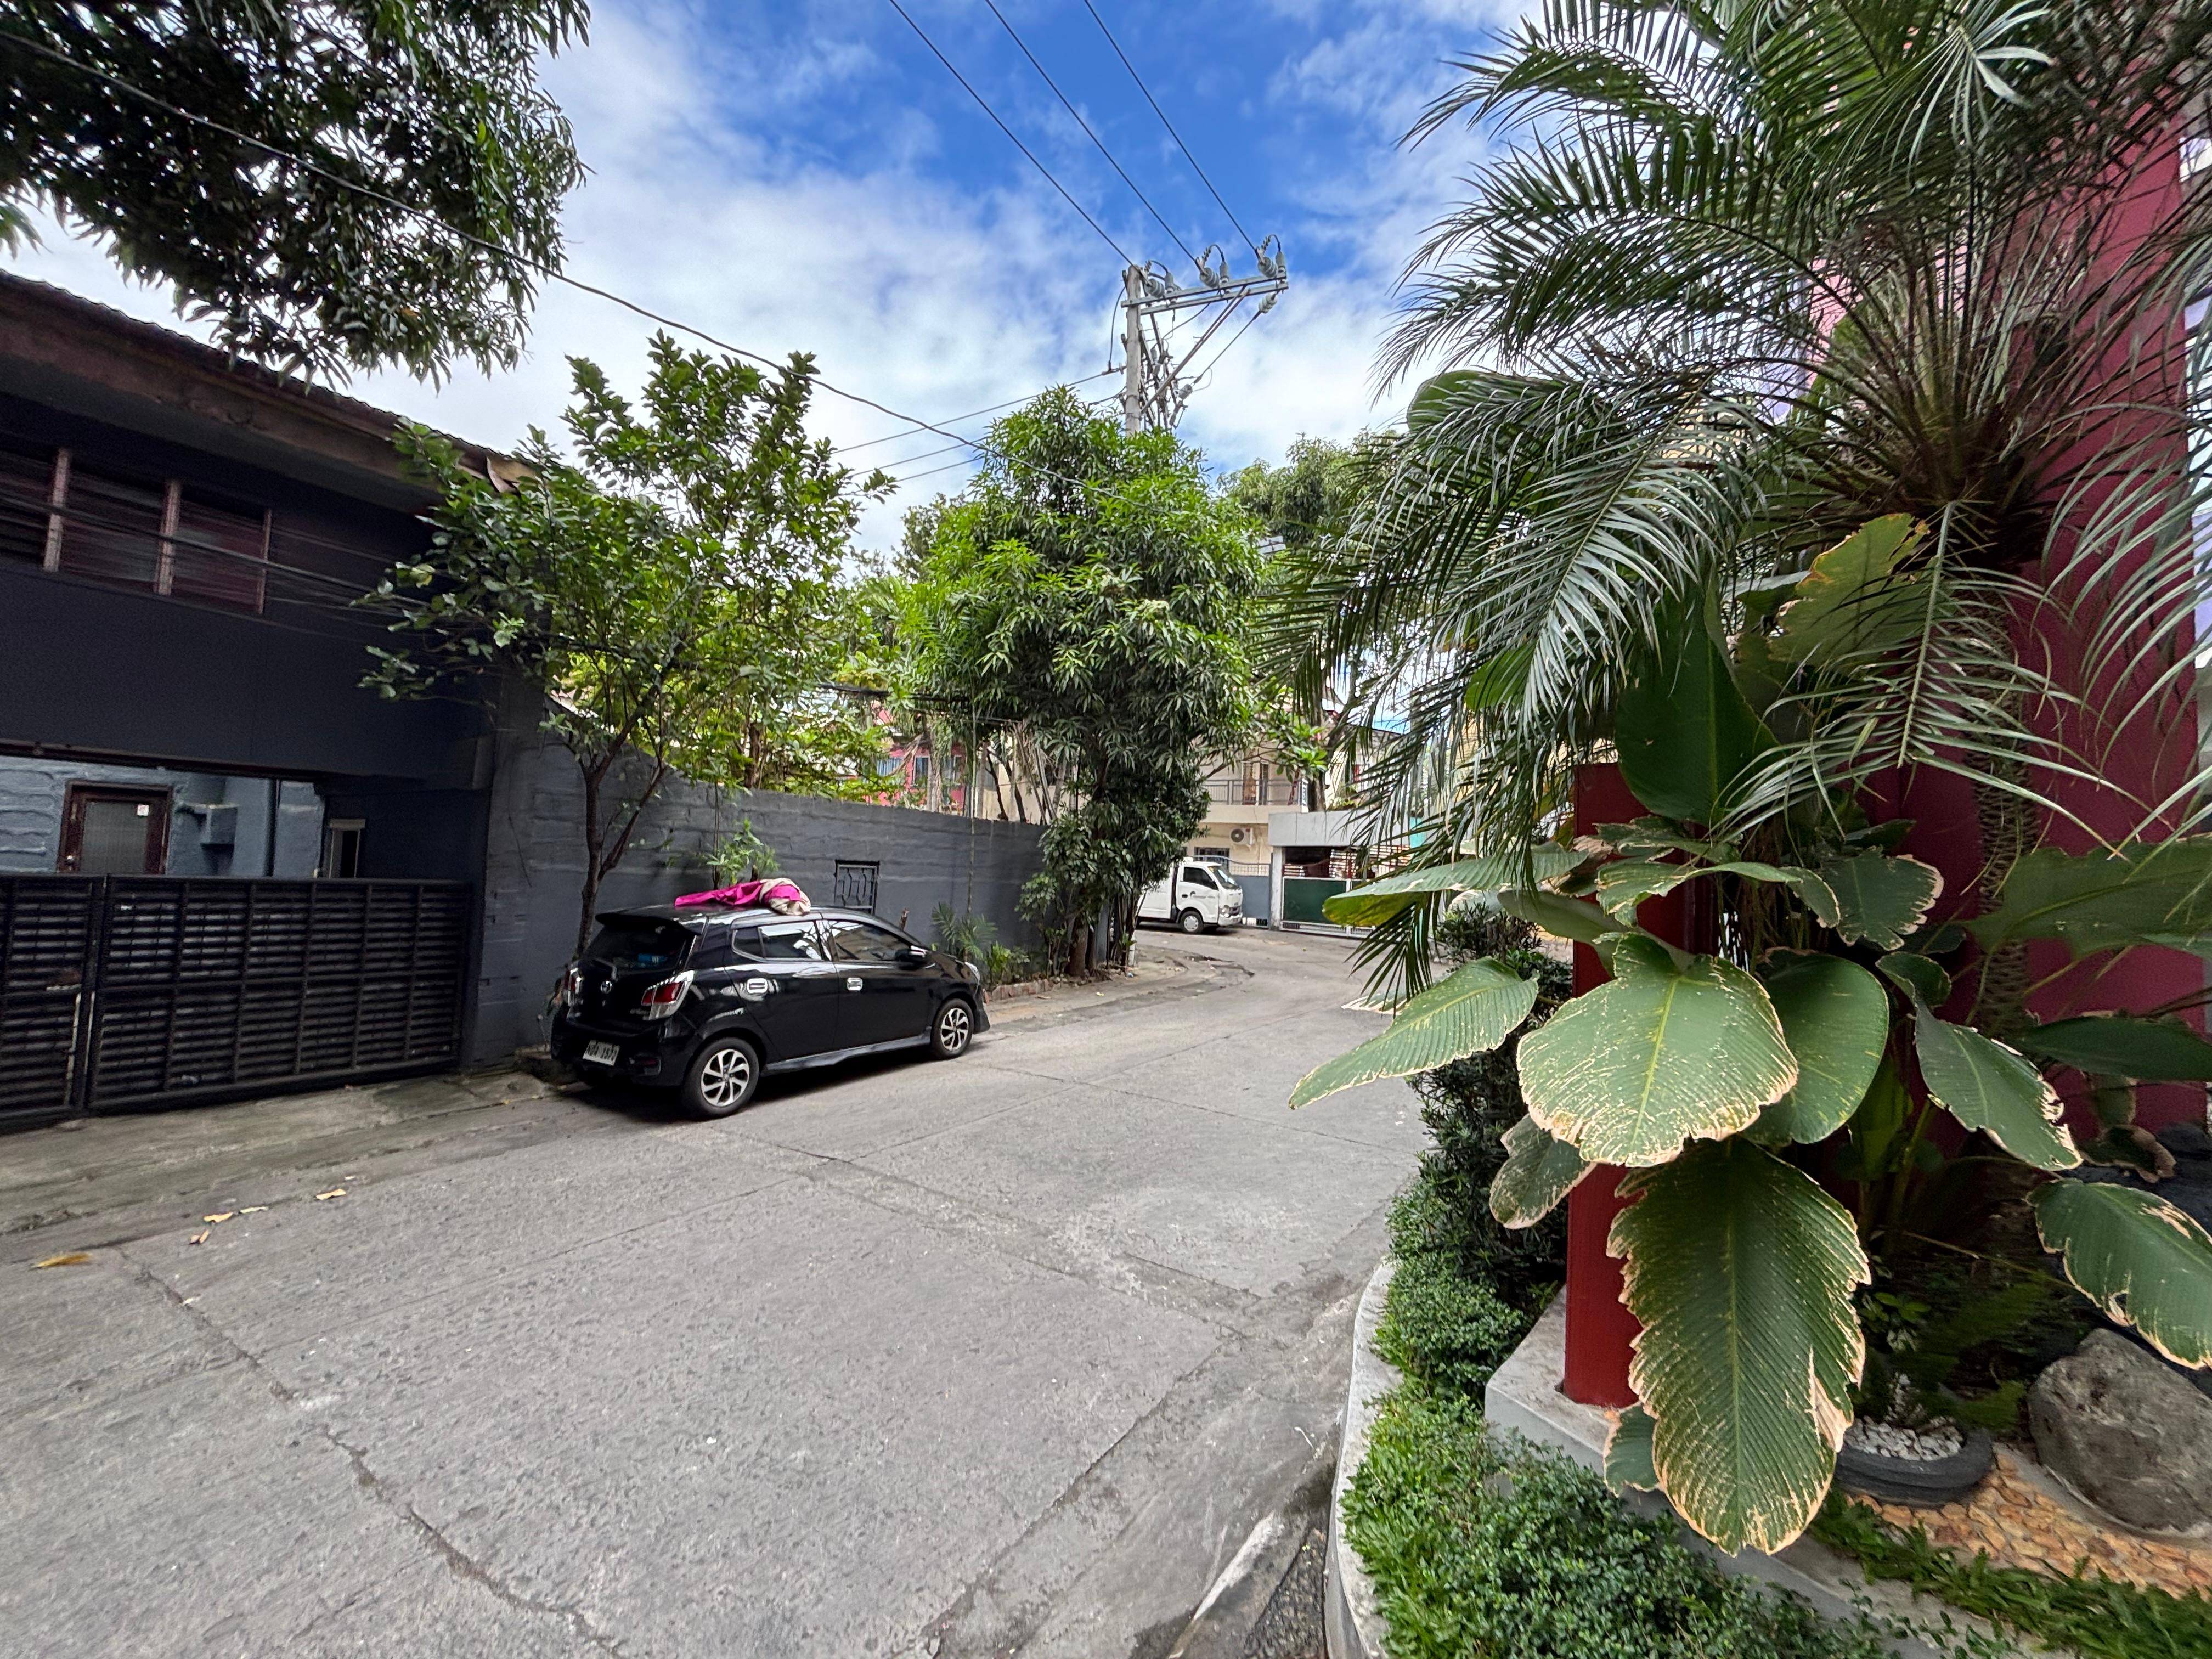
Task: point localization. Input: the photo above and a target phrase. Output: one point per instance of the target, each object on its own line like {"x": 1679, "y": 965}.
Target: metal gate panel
{"x": 128, "y": 991}
{"x": 47, "y": 931}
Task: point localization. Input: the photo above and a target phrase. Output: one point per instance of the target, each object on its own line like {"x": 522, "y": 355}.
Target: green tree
{"x": 1310, "y": 705}
{"x": 674, "y": 592}
{"x": 1307, "y": 499}
{"x": 1090, "y": 590}
{"x": 430, "y": 103}
{"x": 1809, "y": 329}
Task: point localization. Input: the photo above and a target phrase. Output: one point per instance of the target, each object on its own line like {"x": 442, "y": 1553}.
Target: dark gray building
{"x": 224, "y": 867}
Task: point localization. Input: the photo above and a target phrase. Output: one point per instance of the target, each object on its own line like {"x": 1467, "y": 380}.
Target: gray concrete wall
{"x": 33, "y": 792}
{"x": 1258, "y": 892}
{"x": 534, "y": 865}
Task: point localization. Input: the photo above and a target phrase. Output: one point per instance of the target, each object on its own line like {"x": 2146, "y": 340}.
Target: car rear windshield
{"x": 641, "y": 944}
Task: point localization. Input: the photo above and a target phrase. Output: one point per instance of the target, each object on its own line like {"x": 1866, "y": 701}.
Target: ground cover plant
{"x": 2088, "y": 1612}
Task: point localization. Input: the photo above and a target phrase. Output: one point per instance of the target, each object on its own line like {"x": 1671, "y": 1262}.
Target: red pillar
{"x": 1599, "y": 1330}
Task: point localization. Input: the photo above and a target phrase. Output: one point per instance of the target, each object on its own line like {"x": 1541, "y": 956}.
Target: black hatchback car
{"x": 707, "y": 1000}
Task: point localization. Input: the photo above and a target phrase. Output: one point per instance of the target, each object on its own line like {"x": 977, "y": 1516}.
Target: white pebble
{"x": 1913, "y": 1445}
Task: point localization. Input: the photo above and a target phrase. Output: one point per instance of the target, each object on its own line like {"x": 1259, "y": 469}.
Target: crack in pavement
{"x": 456, "y": 1560}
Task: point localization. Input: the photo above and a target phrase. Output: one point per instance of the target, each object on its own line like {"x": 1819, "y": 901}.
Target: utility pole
{"x": 1156, "y": 387}
{"x": 1132, "y": 348}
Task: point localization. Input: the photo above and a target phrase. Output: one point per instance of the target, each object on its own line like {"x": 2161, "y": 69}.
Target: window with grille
{"x": 126, "y": 532}
{"x": 855, "y": 886}
{"x": 26, "y": 486}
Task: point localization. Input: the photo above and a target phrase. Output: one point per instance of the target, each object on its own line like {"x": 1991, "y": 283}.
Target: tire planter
{"x": 1918, "y": 1483}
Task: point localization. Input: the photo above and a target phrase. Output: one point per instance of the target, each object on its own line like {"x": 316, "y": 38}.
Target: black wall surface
{"x": 535, "y": 860}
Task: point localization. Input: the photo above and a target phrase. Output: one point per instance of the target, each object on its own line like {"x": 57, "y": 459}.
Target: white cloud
{"x": 926, "y": 297}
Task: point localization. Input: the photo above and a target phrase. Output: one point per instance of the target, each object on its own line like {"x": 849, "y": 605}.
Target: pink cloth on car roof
{"x": 747, "y": 893}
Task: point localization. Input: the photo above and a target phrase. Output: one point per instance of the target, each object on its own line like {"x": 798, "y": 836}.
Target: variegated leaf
{"x": 1378, "y": 901}
{"x": 2141, "y": 1260}
{"x": 1470, "y": 1012}
{"x": 1539, "y": 1171}
{"x": 1988, "y": 1087}
{"x": 1835, "y": 1018}
{"x": 1880, "y": 899}
{"x": 1742, "y": 1271}
{"x": 1659, "y": 1055}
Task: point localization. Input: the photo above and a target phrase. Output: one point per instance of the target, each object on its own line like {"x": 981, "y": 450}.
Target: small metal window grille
{"x": 854, "y": 887}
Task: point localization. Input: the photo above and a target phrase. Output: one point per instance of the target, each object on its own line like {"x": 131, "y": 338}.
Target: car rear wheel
{"x": 1192, "y": 922}
{"x": 953, "y": 1029}
{"x": 722, "y": 1079}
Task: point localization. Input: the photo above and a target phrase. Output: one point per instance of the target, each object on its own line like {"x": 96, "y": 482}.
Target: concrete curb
{"x": 1235, "y": 1602}
{"x": 1351, "y": 1620}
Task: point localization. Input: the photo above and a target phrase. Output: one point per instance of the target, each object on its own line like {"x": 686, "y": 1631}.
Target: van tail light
{"x": 660, "y": 1001}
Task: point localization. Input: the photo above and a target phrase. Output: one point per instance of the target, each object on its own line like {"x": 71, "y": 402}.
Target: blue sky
{"x": 800, "y": 173}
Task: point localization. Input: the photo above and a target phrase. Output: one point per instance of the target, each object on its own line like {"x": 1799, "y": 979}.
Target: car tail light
{"x": 660, "y": 1001}
{"x": 571, "y": 993}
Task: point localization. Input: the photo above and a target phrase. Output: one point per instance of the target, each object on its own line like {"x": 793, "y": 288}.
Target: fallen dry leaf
{"x": 196, "y": 1238}
{"x": 74, "y": 1259}
{"x": 335, "y": 1192}
{"x": 225, "y": 1216}
{"x": 252, "y": 1209}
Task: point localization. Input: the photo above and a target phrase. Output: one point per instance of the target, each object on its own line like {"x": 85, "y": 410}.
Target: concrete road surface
{"x": 1001, "y": 1356}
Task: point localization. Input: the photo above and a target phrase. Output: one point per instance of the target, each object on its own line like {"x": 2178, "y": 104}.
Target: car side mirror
{"x": 912, "y": 956}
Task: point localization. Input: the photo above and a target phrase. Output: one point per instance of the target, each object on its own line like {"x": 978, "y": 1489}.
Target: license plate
{"x": 602, "y": 1053}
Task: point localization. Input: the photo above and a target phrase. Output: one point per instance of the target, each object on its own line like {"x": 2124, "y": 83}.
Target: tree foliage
{"x": 674, "y": 590}
{"x": 434, "y": 104}
{"x": 1089, "y": 592}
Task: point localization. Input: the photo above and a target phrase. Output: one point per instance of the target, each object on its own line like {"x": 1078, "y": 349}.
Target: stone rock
{"x": 2124, "y": 1430}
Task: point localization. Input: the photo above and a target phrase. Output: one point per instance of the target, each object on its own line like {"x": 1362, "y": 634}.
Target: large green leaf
{"x": 1852, "y": 603}
{"x": 2140, "y": 894}
{"x": 1916, "y": 976}
{"x": 1835, "y": 1016}
{"x": 1880, "y": 899}
{"x": 1658, "y": 1055}
{"x": 1470, "y": 1012}
{"x": 1681, "y": 725}
{"x": 1540, "y": 1170}
{"x": 1742, "y": 1271}
{"x": 1628, "y": 1452}
{"x": 2112, "y": 1045}
{"x": 2136, "y": 1256}
{"x": 1378, "y": 901}
{"x": 1624, "y": 884}
{"x": 1988, "y": 1087}
{"x": 1558, "y": 914}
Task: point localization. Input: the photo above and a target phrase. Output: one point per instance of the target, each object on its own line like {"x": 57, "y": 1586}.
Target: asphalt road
{"x": 1000, "y": 1356}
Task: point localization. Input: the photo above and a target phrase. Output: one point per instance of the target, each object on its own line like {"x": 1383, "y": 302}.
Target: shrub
{"x": 1468, "y": 1105}
{"x": 1440, "y": 1327}
{"x": 1479, "y": 1548}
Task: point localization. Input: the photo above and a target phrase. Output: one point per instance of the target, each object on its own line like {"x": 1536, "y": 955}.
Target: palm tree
{"x": 1754, "y": 275}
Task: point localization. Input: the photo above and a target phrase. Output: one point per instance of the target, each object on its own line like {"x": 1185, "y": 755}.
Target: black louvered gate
{"x": 125, "y": 991}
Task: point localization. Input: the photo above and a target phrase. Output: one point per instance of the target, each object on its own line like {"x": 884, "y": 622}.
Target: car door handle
{"x": 852, "y": 984}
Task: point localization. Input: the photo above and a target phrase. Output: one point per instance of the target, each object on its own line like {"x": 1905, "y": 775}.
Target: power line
{"x": 1170, "y": 125}
{"x": 1010, "y": 133}
{"x": 1215, "y": 360}
{"x": 1092, "y": 136}
{"x": 527, "y": 260}
{"x": 908, "y": 478}
{"x": 989, "y": 409}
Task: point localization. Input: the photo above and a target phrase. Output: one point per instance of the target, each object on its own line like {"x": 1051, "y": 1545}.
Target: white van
{"x": 1195, "y": 898}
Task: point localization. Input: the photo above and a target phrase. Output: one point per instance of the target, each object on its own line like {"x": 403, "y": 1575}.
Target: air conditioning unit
{"x": 1240, "y": 836}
